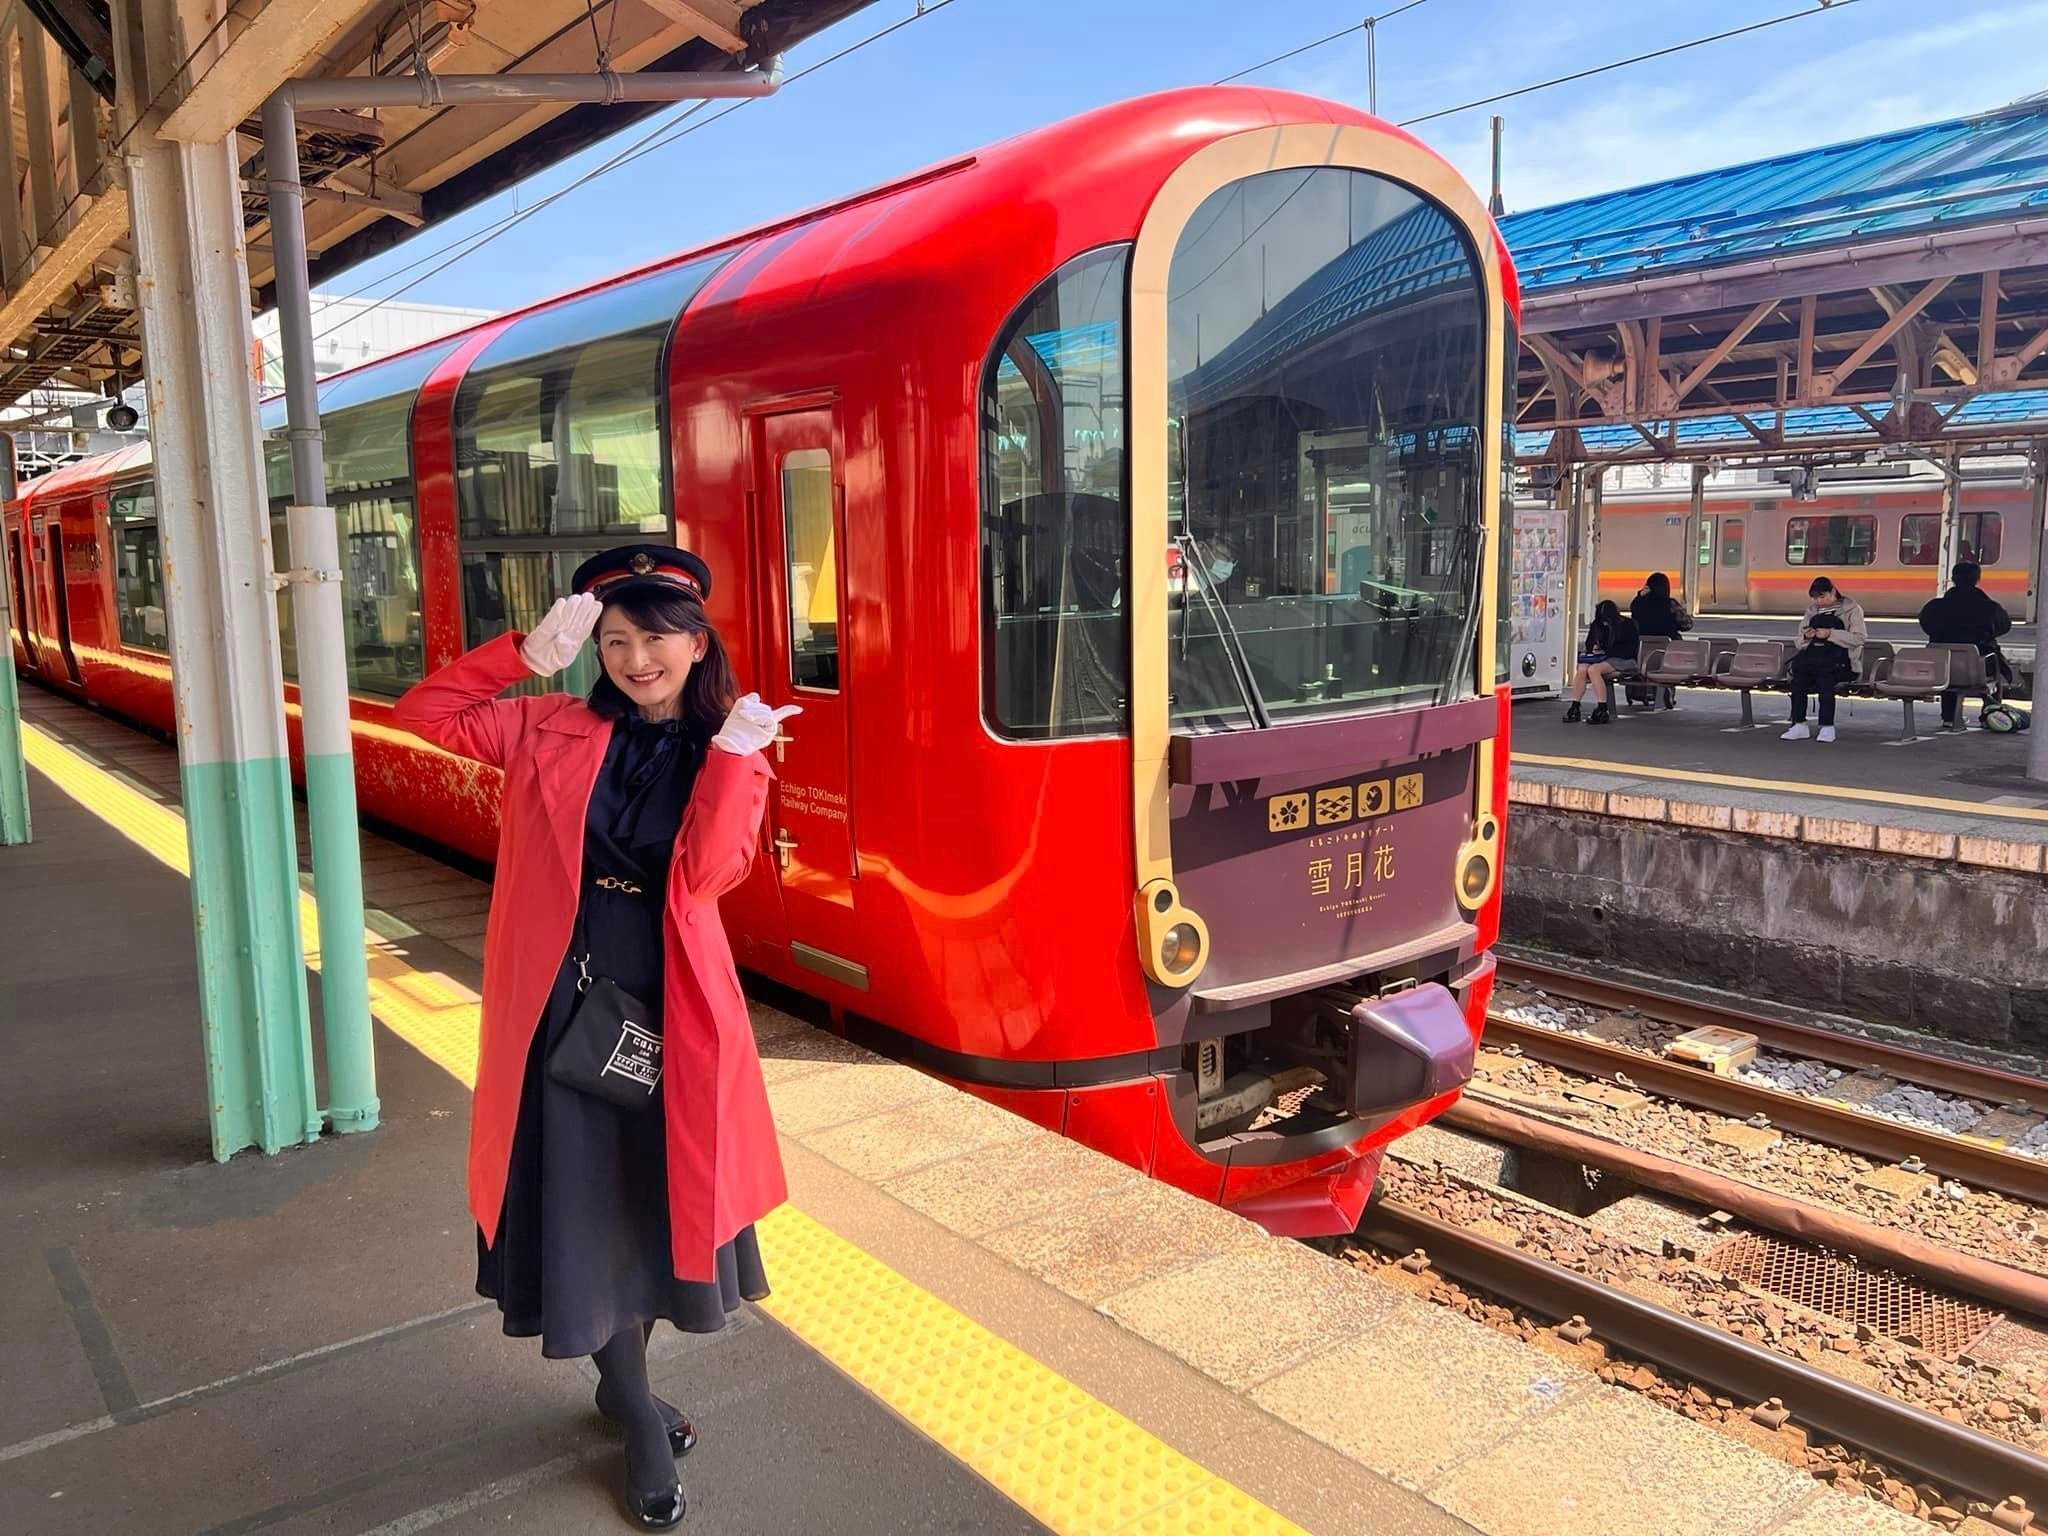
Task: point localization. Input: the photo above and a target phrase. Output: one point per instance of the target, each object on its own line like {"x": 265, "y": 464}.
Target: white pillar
{"x": 213, "y": 518}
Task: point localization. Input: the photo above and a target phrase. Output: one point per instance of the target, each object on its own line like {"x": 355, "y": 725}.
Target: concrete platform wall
{"x": 1927, "y": 942}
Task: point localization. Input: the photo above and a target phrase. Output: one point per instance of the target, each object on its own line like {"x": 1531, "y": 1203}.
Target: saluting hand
{"x": 751, "y": 725}
{"x": 553, "y": 643}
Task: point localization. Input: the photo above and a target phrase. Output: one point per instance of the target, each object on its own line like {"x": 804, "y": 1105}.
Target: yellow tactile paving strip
{"x": 1071, "y": 1461}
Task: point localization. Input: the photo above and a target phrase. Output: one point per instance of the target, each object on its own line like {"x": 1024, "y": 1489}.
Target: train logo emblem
{"x": 1286, "y": 812}
{"x": 1334, "y": 804}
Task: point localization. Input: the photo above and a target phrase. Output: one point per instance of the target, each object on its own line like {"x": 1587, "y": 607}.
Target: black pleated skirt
{"x": 583, "y": 1242}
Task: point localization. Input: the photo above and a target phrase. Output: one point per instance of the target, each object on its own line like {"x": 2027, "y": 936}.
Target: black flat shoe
{"x": 661, "y": 1511}
{"x": 682, "y": 1434}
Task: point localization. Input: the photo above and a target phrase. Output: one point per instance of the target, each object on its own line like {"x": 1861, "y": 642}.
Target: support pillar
{"x": 14, "y": 827}
{"x": 315, "y": 580}
{"x": 2037, "y": 738}
{"x": 212, "y": 514}
{"x": 1698, "y": 558}
{"x": 1951, "y": 520}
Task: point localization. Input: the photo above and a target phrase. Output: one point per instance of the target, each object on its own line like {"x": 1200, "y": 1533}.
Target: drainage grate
{"x": 1837, "y": 1285}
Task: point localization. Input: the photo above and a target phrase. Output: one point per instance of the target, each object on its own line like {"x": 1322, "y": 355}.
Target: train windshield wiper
{"x": 1226, "y": 632}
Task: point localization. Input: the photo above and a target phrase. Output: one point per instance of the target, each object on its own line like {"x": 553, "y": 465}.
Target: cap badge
{"x": 642, "y": 563}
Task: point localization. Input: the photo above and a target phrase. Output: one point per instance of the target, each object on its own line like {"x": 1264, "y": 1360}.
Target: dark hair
{"x": 1821, "y": 584}
{"x": 1967, "y": 573}
{"x": 1607, "y": 611}
{"x": 1659, "y": 585}
{"x": 711, "y": 688}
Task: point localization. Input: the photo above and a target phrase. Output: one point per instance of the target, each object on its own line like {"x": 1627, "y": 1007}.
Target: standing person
{"x": 1610, "y": 649}
{"x": 620, "y": 1140}
{"x": 1658, "y": 616}
{"x": 1830, "y": 654}
{"x": 1966, "y": 615}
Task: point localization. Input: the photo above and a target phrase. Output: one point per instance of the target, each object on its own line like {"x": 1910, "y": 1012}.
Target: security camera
{"x": 122, "y": 418}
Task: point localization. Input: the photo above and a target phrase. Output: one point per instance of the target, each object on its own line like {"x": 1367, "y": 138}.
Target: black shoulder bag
{"x": 612, "y": 1048}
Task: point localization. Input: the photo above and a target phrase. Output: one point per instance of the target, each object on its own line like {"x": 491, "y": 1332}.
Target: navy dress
{"x": 583, "y": 1243}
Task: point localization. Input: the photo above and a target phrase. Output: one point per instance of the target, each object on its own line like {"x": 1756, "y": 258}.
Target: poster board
{"x": 1540, "y": 635}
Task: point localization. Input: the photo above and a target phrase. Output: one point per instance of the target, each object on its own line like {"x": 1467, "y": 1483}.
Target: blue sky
{"x": 981, "y": 70}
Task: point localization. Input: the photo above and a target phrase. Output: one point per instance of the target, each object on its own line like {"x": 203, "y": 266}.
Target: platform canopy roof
{"x": 1882, "y": 283}
{"x": 372, "y": 178}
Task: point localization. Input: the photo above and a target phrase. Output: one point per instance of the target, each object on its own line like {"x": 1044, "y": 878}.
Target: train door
{"x": 1724, "y": 562}
{"x": 60, "y": 599}
{"x": 800, "y": 493}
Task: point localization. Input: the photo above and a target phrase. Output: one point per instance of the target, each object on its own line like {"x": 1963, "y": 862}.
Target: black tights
{"x": 625, "y": 1394}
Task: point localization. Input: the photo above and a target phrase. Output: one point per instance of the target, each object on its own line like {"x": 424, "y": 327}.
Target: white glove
{"x": 553, "y": 643}
{"x": 751, "y": 725}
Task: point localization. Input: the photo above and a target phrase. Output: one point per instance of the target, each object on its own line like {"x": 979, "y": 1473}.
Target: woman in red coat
{"x": 620, "y": 1141}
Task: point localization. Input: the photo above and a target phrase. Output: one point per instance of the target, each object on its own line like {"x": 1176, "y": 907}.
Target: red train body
{"x": 1120, "y": 502}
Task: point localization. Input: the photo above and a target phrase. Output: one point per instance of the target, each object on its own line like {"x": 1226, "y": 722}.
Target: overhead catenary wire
{"x": 1820, "y": 7}
{"x": 1817, "y": 8}
{"x": 1321, "y": 42}
{"x": 660, "y": 137}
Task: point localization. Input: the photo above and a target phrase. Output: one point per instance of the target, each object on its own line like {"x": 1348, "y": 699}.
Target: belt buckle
{"x": 612, "y": 883}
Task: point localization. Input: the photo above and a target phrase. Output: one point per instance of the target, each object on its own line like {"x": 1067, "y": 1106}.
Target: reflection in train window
{"x": 1836, "y": 539}
{"x": 1326, "y": 377}
{"x": 813, "y": 569}
{"x": 138, "y": 569}
{"x": 1983, "y": 534}
{"x": 369, "y": 485}
{"x": 510, "y": 589}
{"x": 1055, "y": 652}
{"x": 1980, "y": 537}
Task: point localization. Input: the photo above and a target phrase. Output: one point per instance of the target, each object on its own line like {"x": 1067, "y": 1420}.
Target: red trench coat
{"x": 724, "y": 1169}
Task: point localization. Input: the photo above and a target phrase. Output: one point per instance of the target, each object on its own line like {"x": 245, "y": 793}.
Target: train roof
{"x": 1034, "y": 199}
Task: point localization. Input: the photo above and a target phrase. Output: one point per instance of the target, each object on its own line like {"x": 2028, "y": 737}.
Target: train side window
{"x": 504, "y": 590}
{"x": 138, "y": 569}
{"x": 813, "y": 569}
{"x": 558, "y": 423}
{"x": 1731, "y": 541}
{"x": 1055, "y": 651}
{"x": 1835, "y": 539}
{"x": 1919, "y": 538}
{"x": 1983, "y": 535}
{"x": 370, "y": 487}
{"x": 16, "y": 566}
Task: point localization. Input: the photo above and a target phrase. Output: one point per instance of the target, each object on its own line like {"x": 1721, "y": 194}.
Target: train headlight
{"x": 1478, "y": 864}
{"x": 1474, "y": 878}
{"x": 1173, "y": 943}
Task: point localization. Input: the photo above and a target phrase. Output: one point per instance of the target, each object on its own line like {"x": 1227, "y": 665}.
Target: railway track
{"x": 1949, "y": 1454}
{"x": 1973, "y": 1160}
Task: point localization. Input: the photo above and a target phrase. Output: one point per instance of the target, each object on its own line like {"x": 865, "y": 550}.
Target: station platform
{"x": 976, "y": 1326}
{"x": 1874, "y": 881}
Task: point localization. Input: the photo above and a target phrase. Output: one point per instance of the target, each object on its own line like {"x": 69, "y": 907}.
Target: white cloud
{"x": 1817, "y": 82}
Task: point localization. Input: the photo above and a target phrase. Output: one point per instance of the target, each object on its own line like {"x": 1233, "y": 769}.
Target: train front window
{"x": 1326, "y": 387}
{"x": 1055, "y": 526}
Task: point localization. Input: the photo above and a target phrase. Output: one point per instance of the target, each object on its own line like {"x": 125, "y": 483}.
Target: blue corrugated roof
{"x": 1966, "y": 171}
{"x": 2015, "y": 408}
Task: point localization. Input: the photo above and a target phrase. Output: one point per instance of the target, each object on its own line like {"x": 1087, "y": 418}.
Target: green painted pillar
{"x": 213, "y": 518}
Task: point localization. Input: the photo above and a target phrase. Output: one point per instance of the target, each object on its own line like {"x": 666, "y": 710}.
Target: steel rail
{"x": 1992, "y": 1084}
{"x": 1974, "y": 1162}
{"x": 1909, "y": 1438}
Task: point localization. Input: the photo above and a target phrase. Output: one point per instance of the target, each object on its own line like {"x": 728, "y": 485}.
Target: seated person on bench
{"x": 1829, "y": 655}
{"x": 1610, "y": 650}
{"x": 1967, "y": 615}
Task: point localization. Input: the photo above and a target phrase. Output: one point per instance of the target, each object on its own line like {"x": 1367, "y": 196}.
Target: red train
{"x": 1121, "y": 504}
